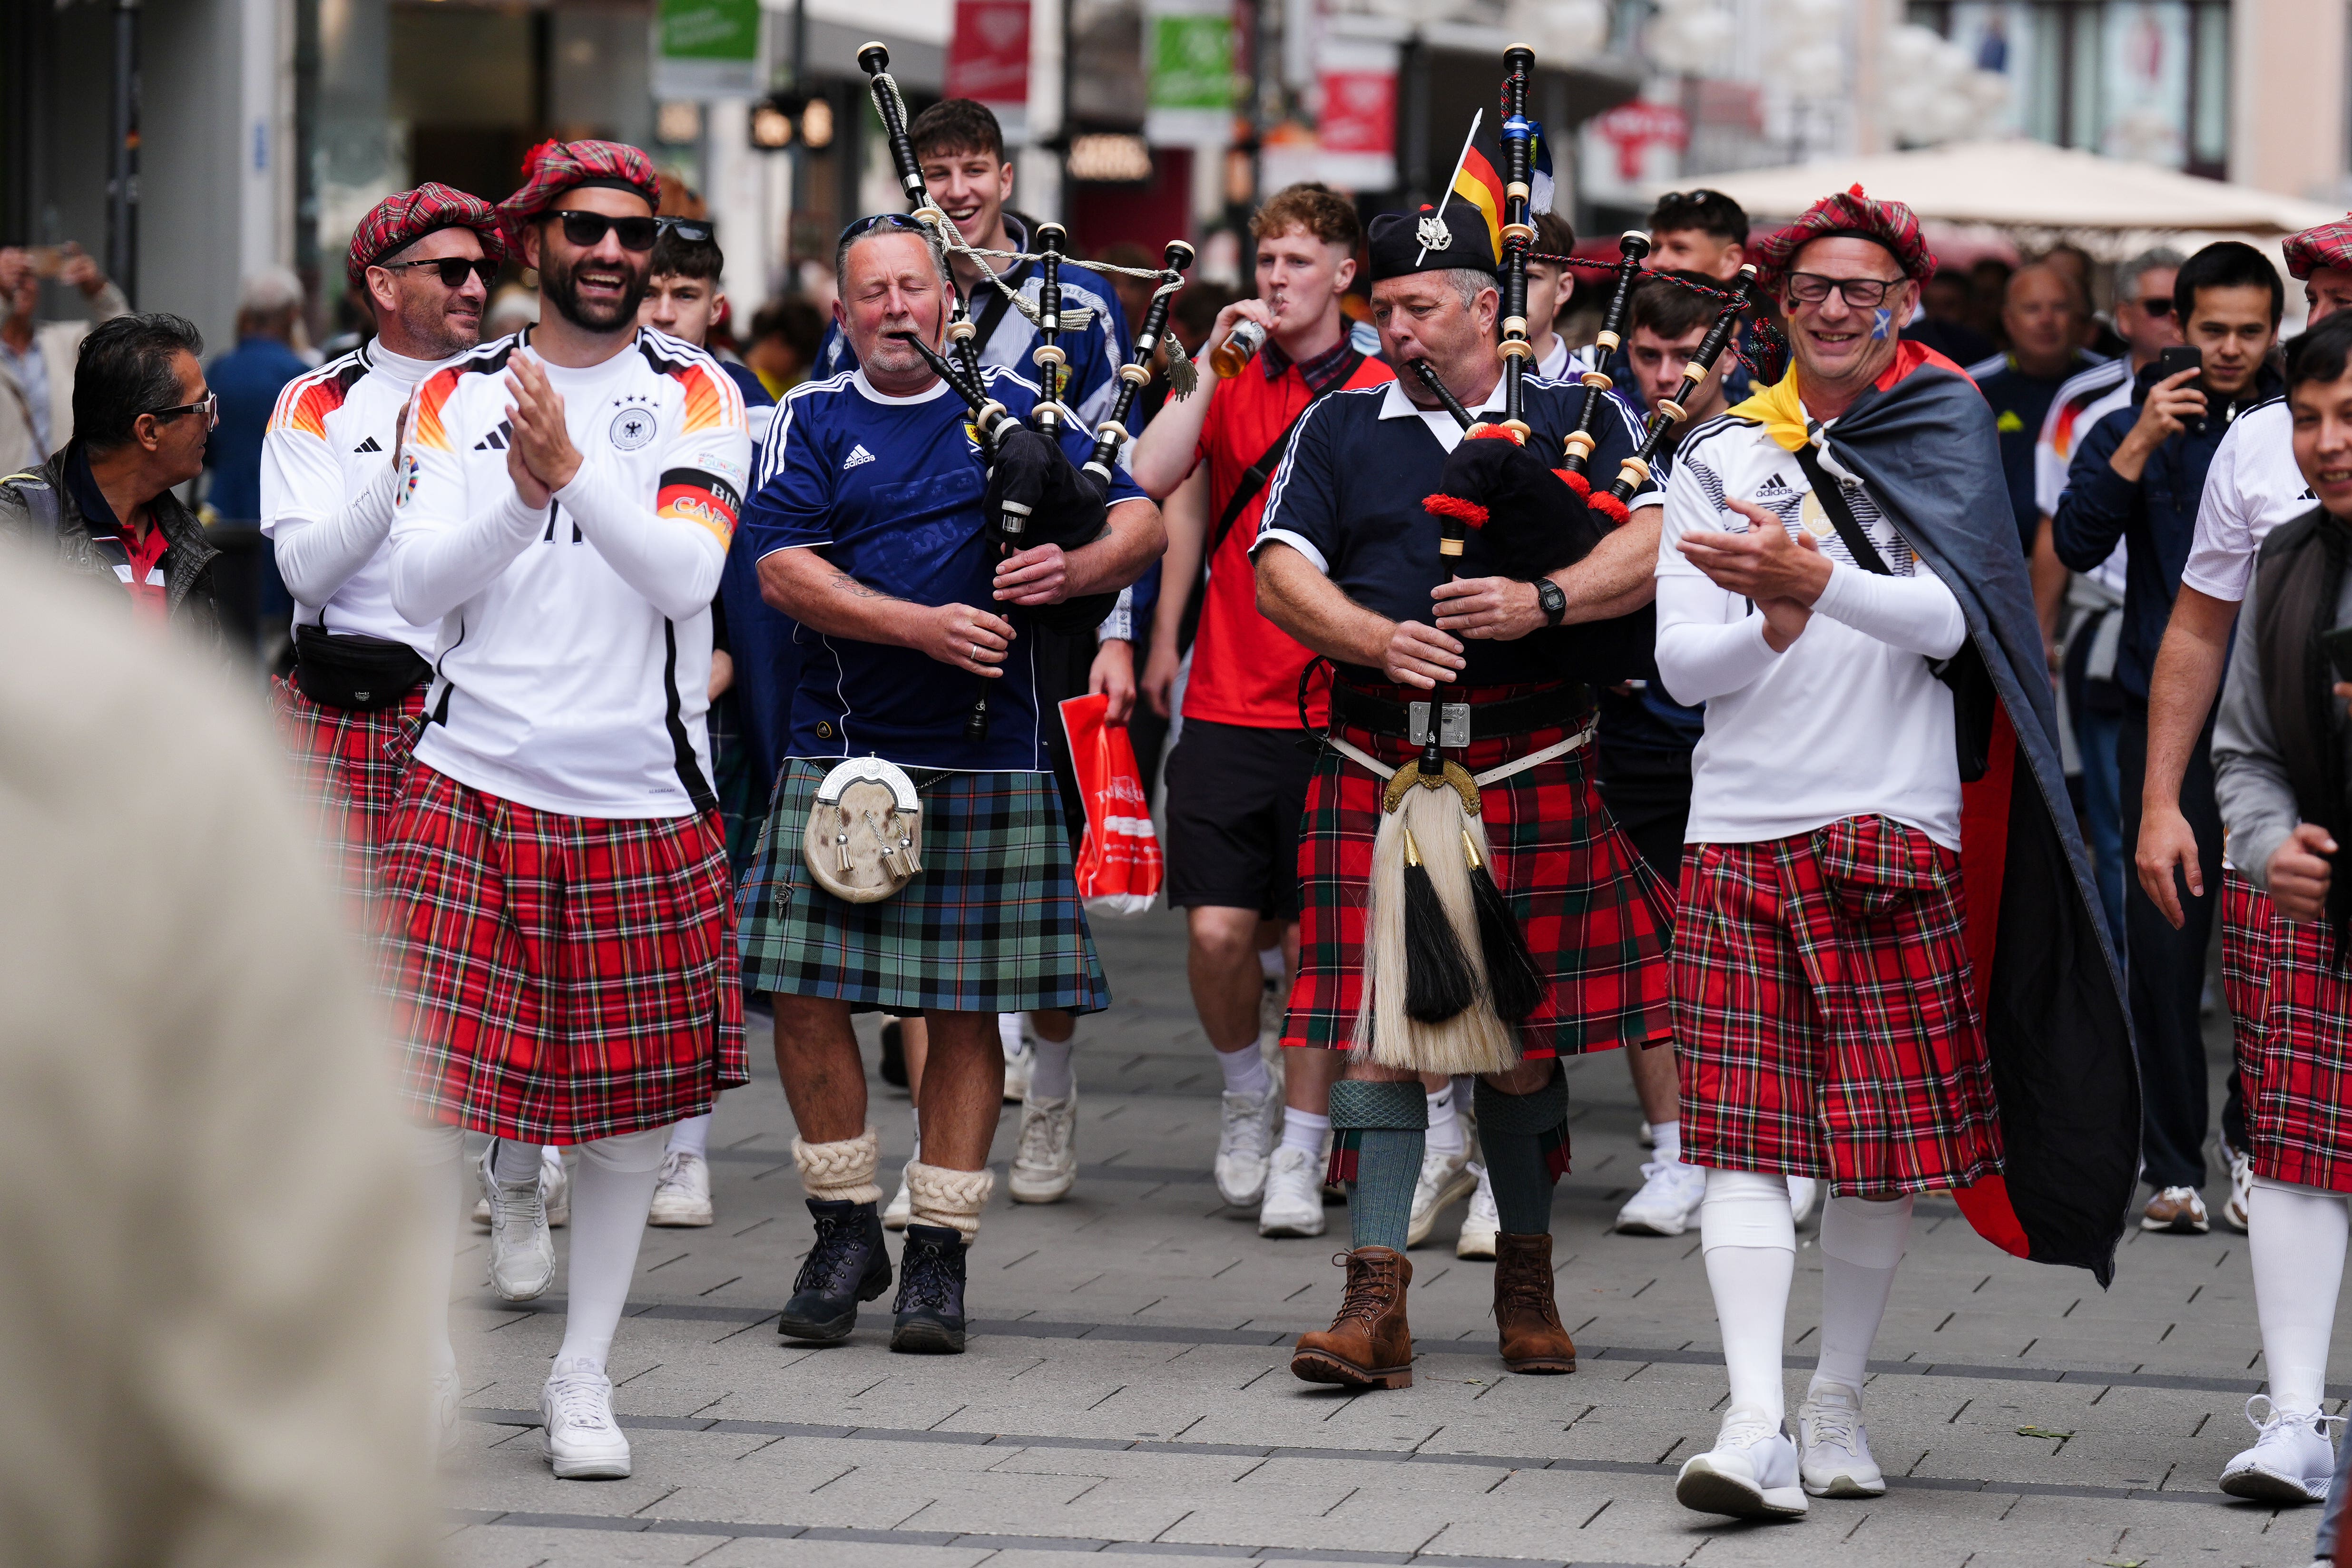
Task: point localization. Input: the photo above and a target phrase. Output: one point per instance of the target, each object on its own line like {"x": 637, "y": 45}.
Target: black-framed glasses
{"x": 587, "y": 230}
{"x": 452, "y": 268}
{"x": 1862, "y": 293}
{"x": 692, "y": 230}
{"x": 208, "y": 405}
{"x": 2156, "y": 305}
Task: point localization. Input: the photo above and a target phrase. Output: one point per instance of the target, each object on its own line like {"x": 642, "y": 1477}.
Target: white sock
{"x": 1304, "y": 1129}
{"x": 2297, "y": 1235}
{"x": 692, "y": 1136}
{"x": 516, "y": 1162}
{"x": 1269, "y": 962}
{"x": 1050, "y": 1076}
{"x": 1669, "y": 1136}
{"x": 1751, "y": 1242}
{"x": 1862, "y": 1245}
{"x": 1445, "y": 1134}
{"x": 610, "y": 1191}
{"x": 440, "y": 1156}
{"x": 1246, "y": 1073}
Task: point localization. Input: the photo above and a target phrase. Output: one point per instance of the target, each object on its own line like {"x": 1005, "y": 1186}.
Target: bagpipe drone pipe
{"x": 1036, "y": 495}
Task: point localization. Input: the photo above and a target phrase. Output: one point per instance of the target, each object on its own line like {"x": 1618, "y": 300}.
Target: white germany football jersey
{"x": 330, "y": 436}
{"x": 573, "y": 668}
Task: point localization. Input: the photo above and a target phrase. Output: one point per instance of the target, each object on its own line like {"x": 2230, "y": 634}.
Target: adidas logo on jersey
{"x": 368, "y": 446}
{"x": 496, "y": 441}
{"x": 857, "y": 454}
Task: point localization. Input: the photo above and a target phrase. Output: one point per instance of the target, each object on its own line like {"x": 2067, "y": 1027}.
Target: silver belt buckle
{"x": 1452, "y": 724}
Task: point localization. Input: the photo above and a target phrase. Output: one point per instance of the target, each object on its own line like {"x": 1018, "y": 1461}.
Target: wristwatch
{"x": 1550, "y": 601}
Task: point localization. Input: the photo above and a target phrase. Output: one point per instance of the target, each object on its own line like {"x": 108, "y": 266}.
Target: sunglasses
{"x": 2156, "y": 305}
{"x": 692, "y": 230}
{"x": 1862, "y": 293}
{"x": 587, "y": 230}
{"x": 452, "y": 268}
{"x": 208, "y": 405}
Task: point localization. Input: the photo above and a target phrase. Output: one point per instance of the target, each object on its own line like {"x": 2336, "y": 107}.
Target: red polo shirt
{"x": 1245, "y": 670}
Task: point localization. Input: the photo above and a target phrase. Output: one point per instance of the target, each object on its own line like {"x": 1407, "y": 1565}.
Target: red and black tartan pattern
{"x": 1826, "y": 1018}
{"x": 1892, "y": 224}
{"x": 2295, "y": 1063}
{"x": 1597, "y": 918}
{"x": 347, "y": 764}
{"x": 558, "y": 979}
{"x": 403, "y": 218}
{"x": 2329, "y": 244}
{"x": 2246, "y": 916}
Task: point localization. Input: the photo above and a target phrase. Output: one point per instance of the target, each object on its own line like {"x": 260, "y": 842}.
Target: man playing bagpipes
{"x": 1509, "y": 921}
{"x": 932, "y": 874}
{"x": 1881, "y": 979}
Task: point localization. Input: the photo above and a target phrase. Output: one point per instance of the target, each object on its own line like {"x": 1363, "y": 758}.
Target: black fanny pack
{"x": 359, "y": 672}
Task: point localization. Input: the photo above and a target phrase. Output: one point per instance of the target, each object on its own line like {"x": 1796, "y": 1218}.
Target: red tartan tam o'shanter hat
{"x": 552, "y": 168}
{"x": 399, "y": 221}
{"x": 1853, "y": 216}
{"x": 2329, "y": 244}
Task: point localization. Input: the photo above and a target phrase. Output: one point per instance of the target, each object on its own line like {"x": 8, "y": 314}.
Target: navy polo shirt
{"x": 890, "y": 489}
{"x": 1347, "y": 497}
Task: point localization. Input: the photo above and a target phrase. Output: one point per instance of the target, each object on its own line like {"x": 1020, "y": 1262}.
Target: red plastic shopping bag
{"x": 1118, "y": 861}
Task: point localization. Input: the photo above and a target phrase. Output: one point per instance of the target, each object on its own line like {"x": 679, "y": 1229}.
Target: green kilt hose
{"x": 993, "y": 925}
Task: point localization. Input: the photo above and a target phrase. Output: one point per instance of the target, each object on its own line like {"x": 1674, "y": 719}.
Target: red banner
{"x": 989, "y": 59}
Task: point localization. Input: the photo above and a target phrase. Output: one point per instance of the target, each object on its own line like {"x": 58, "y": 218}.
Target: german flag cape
{"x": 2048, "y": 985}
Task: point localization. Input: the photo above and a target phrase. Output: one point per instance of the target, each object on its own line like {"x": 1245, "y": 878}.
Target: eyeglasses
{"x": 692, "y": 230}
{"x": 453, "y": 269}
{"x": 1862, "y": 293}
{"x": 587, "y": 230}
{"x": 209, "y": 406}
{"x": 2156, "y": 305}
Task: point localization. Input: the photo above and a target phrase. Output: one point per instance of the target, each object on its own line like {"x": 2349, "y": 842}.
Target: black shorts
{"x": 1649, "y": 793}
{"x": 1235, "y": 799}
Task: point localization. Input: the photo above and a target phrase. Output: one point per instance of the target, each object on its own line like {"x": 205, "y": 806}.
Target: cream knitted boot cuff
{"x": 951, "y": 1198}
{"x": 841, "y": 1171}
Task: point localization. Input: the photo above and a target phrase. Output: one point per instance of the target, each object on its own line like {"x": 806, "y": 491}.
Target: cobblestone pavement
{"x": 1126, "y": 1393}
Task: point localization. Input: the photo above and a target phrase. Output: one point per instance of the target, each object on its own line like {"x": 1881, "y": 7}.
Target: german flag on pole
{"x": 1477, "y": 183}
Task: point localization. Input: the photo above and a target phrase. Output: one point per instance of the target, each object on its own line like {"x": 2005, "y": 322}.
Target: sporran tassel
{"x": 1513, "y": 981}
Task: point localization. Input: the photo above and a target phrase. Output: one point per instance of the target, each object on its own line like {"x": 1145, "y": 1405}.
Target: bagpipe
{"x": 1035, "y": 496}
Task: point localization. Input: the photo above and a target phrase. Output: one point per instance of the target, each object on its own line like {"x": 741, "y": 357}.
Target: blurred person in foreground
{"x": 193, "y": 1378}
{"x": 102, "y": 505}
{"x": 2137, "y": 478}
{"x": 36, "y": 357}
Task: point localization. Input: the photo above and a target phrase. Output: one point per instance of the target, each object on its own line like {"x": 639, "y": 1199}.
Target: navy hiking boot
{"x": 846, "y": 1265}
{"x": 930, "y": 1292}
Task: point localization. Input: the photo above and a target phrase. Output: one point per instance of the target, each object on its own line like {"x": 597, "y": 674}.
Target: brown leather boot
{"x": 1369, "y": 1345}
{"x": 1524, "y": 1312}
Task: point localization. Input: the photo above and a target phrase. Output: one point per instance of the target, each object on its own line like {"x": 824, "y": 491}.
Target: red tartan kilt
{"x": 1825, "y": 1021}
{"x": 348, "y": 766}
{"x": 558, "y": 979}
{"x": 2294, "y": 1038}
{"x": 1597, "y": 918}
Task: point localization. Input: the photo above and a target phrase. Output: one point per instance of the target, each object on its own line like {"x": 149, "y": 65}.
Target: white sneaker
{"x": 554, "y": 1190}
{"x": 1750, "y": 1473}
{"x": 2292, "y": 1460}
{"x": 900, "y": 1210}
{"x": 581, "y": 1438}
{"x": 2241, "y": 1188}
{"x": 1020, "y": 1056}
{"x": 682, "y": 1191}
{"x": 1445, "y": 1180}
{"x": 441, "y": 1428}
{"x": 1836, "y": 1448}
{"x": 1294, "y": 1195}
{"x": 1804, "y": 1192}
{"x": 1046, "y": 1162}
{"x": 1482, "y": 1224}
{"x": 1667, "y": 1204}
{"x": 522, "y": 1253}
{"x": 1244, "y": 1140}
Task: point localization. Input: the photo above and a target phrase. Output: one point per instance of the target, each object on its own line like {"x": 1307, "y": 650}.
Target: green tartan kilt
{"x": 991, "y": 925}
